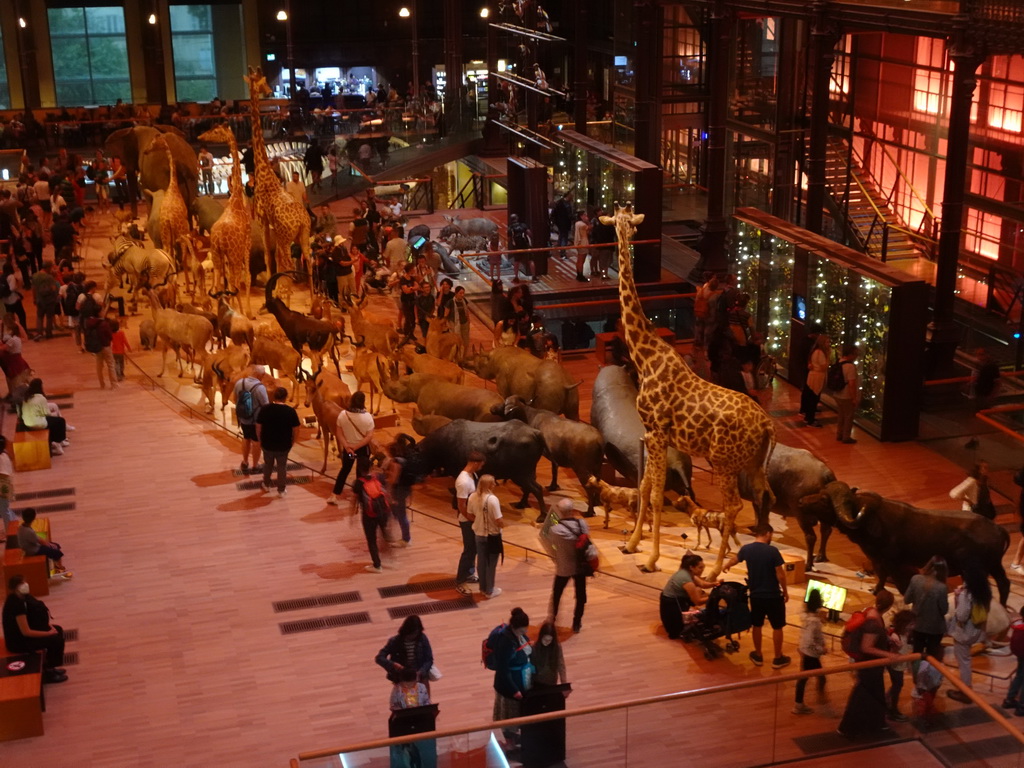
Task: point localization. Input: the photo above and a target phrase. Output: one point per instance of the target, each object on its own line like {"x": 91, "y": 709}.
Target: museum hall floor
{"x": 180, "y": 659}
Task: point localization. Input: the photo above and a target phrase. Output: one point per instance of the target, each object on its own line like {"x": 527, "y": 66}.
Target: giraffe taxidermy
{"x": 681, "y": 410}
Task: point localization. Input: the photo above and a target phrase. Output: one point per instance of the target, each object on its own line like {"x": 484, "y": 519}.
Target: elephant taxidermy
{"x": 150, "y": 171}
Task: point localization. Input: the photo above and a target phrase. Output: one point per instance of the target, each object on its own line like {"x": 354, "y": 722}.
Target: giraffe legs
{"x": 730, "y": 510}
{"x": 652, "y": 498}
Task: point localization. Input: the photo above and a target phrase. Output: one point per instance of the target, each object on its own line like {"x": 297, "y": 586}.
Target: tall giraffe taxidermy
{"x": 680, "y": 409}
{"x": 174, "y": 222}
{"x": 231, "y": 234}
{"x": 283, "y": 220}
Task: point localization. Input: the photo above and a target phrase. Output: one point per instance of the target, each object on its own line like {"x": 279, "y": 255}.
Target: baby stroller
{"x": 726, "y": 613}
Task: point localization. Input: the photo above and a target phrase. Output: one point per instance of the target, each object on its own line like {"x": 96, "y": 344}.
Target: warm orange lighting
{"x": 21, "y": 22}
{"x": 152, "y": 18}
{"x": 282, "y": 15}
{"x": 404, "y": 12}
{"x": 485, "y": 12}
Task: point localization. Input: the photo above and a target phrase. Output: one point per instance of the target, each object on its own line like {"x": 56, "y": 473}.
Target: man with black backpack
{"x": 847, "y": 396}
{"x": 569, "y": 537}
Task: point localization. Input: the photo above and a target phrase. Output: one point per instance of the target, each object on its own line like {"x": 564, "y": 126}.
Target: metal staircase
{"x": 867, "y": 211}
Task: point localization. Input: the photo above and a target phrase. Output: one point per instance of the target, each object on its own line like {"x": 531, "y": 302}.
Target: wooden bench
{"x": 41, "y": 525}
{"x": 21, "y": 698}
{"x": 35, "y": 569}
{"x": 603, "y": 342}
{"x": 32, "y": 450}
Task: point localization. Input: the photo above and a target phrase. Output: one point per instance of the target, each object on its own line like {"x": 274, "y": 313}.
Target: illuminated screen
{"x": 833, "y": 597}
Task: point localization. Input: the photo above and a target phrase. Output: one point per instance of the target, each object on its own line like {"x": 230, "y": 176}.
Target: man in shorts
{"x": 766, "y": 577}
{"x": 247, "y": 422}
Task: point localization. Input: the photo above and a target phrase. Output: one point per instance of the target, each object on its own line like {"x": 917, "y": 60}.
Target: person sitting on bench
{"x": 29, "y": 543}
{"x": 35, "y": 414}
{"x": 27, "y": 628}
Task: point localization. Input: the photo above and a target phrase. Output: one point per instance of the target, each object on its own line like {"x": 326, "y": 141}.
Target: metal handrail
{"x": 645, "y": 701}
{"x": 913, "y": 189}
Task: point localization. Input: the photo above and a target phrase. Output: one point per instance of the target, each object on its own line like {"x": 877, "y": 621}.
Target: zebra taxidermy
{"x": 144, "y": 267}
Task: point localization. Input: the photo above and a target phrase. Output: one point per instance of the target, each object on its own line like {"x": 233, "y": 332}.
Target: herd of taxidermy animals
{"x": 533, "y": 414}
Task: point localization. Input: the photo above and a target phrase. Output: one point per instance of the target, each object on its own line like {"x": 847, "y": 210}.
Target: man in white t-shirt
{"x": 297, "y": 190}
{"x": 465, "y": 484}
{"x": 485, "y": 510}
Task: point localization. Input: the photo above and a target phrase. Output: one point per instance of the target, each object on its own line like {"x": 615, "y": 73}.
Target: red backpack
{"x": 1017, "y": 639}
{"x": 375, "y": 501}
{"x": 853, "y": 635}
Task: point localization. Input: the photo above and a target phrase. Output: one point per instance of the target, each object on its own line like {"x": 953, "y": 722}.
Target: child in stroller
{"x": 725, "y": 611}
{"x": 725, "y": 614}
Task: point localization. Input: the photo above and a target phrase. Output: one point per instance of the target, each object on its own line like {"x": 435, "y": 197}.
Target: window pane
{"x": 104, "y": 21}
{"x": 5, "y": 94}
{"x": 109, "y": 56}
{"x": 66, "y": 21}
{"x": 190, "y": 18}
{"x": 197, "y": 90}
{"x": 193, "y": 55}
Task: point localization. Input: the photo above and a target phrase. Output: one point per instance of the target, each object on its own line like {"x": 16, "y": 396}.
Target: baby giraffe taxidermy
{"x": 705, "y": 520}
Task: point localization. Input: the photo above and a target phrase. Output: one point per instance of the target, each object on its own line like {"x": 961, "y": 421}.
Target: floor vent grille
{"x": 319, "y": 601}
{"x": 436, "y": 606}
{"x": 43, "y": 509}
{"x": 326, "y": 622}
{"x": 47, "y": 493}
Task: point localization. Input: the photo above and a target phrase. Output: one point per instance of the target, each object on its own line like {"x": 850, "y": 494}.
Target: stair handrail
{"x": 929, "y": 238}
{"x": 879, "y": 216}
{"x": 927, "y": 208}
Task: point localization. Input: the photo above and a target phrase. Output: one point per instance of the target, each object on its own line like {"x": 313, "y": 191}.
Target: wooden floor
{"x": 180, "y": 657}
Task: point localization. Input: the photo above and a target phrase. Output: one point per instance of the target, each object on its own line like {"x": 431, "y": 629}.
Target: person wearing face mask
{"x": 547, "y": 657}
{"x": 27, "y": 628}
{"x": 513, "y": 672}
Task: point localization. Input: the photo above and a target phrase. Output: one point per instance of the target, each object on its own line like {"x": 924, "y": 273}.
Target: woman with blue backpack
{"x": 508, "y": 652}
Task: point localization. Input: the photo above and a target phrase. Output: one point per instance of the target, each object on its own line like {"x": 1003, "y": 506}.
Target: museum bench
{"x": 35, "y": 569}
{"x": 21, "y": 695}
{"x": 32, "y": 450}
{"x": 41, "y": 525}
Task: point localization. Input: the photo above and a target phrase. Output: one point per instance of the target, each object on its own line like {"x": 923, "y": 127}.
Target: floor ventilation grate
{"x": 319, "y": 601}
{"x": 252, "y": 485}
{"x": 42, "y": 509}
{"x": 70, "y": 658}
{"x": 437, "y": 606}
{"x": 48, "y": 493}
{"x": 70, "y": 635}
{"x": 417, "y": 588}
{"x": 326, "y": 622}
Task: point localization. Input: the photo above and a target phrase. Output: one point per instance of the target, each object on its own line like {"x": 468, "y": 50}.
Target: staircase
{"x": 870, "y": 221}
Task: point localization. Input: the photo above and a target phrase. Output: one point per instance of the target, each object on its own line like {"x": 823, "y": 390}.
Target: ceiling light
{"x": 485, "y": 12}
{"x": 404, "y": 12}
{"x": 152, "y": 18}
{"x": 282, "y": 15}
{"x": 21, "y": 22}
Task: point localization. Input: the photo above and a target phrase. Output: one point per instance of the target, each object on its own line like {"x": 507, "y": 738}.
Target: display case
{"x": 798, "y": 278}
{"x": 764, "y": 269}
{"x": 598, "y": 175}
